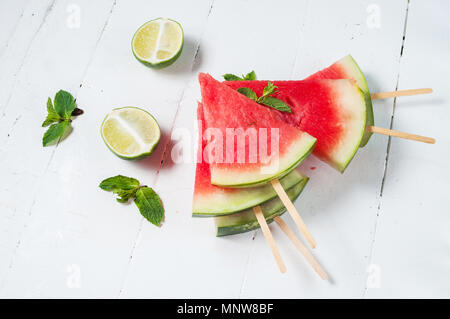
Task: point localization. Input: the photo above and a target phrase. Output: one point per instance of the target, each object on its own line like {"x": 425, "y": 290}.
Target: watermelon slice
{"x": 211, "y": 200}
{"x": 246, "y": 220}
{"x": 346, "y": 68}
{"x": 333, "y": 111}
{"x": 227, "y": 110}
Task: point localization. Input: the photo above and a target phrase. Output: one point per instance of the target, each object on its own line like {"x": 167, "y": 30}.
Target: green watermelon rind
{"x": 305, "y": 153}
{"x": 246, "y": 221}
{"x": 342, "y": 166}
{"x": 211, "y": 206}
{"x": 355, "y": 72}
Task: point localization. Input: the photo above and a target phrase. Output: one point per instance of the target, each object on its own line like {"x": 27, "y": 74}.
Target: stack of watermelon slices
{"x": 229, "y": 190}
{"x": 330, "y": 110}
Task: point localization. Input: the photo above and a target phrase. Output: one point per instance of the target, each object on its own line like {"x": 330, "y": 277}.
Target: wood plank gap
{"x": 388, "y": 149}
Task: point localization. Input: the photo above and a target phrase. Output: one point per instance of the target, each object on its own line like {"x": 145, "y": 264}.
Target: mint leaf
{"x": 55, "y": 132}
{"x": 50, "y": 119}
{"x": 269, "y": 89}
{"x": 232, "y": 77}
{"x": 52, "y": 116}
{"x": 64, "y": 104}
{"x": 125, "y": 195}
{"x": 250, "y": 76}
{"x": 50, "y": 108}
{"x": 119, "y": 182}
{"x": 275, "y": 103}
{"x": 248, "y": 93}
{"x": 149, "y": 205}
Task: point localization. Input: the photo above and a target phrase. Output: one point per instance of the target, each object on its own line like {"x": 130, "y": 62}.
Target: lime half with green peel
{"x": 158, "y": 43}
{"x": 130, "y": 133}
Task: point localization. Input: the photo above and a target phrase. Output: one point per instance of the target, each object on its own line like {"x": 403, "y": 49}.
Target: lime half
{"x": 158, "y": 43}
{"x": 131, "y": 133}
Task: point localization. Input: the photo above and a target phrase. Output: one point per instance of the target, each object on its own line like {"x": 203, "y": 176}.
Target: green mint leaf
{"x": 232, "y": 77}
{"x": 275, "y": 103}
{"x": 149, "y": 205}
{"x": 52, "y": 116}
{"x": 64, "y": 104}
{"x": 125, "y": 195}
{"x": 269, "y": 89}
{"x": 50, "y": 108}
{"x": 119, "y": 182}
{"x": 55, "y": 132}
{"x": 250, "y": 76}
{"x": 248, "y": 93}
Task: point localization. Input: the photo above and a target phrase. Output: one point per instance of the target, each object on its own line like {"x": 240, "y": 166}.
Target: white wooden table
{"x": 382, "y": 228}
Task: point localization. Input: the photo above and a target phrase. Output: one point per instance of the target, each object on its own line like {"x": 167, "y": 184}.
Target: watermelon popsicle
{"x": 236, "y": 126}
{"x": 347, "y": 68}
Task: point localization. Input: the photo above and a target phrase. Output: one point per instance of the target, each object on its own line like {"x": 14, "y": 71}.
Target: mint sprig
{"x": 248, "y": 77}
{"x": 248, "y": 93}
{"x": 145, "y": 198}
{"x": 265, "y": 98}
{"x": 60, "y": 112}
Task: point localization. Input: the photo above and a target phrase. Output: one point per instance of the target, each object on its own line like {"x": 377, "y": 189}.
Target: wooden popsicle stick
{"x": 301, "y": 248}
{"x": 269, "y": 238}
{"x": 385, "y": 131}
{"x": 293, "y": 212}
{"x": 386, "y": 95}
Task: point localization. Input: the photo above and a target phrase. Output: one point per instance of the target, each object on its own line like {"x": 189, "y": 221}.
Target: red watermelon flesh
{"x": 333, "y": 111}
{"x": 226, "y": 109}
{"x": 347, "y": 68}
{"x": 210, "y": 200}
